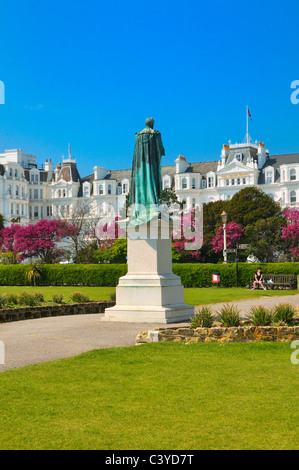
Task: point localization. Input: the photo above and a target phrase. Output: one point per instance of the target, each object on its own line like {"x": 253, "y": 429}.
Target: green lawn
{"x": 193, "y": 296}
{"x": 157, "y": 396}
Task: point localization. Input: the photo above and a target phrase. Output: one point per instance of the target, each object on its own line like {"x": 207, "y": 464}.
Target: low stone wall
{"x": 25, "y": 313}
{"x": 281, "y": 334}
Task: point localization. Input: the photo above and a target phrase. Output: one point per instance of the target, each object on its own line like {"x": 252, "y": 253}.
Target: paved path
{"x": 45, "y": 339}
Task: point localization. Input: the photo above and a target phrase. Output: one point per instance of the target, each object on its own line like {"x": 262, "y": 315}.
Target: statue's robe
{"x": 145, "y": 189}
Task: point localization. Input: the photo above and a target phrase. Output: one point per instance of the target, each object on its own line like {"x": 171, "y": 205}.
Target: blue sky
{"x": 90, "y": 72}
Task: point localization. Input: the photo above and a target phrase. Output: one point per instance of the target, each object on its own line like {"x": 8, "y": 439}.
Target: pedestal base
{"x": 150, "y": 292}
{"x": 144, "y": 314}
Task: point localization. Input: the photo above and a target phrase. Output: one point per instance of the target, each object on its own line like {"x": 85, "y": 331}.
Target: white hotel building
{"x": 32, "y": 192}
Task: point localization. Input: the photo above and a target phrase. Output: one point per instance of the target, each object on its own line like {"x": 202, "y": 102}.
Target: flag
{"x": 249, "y": 114}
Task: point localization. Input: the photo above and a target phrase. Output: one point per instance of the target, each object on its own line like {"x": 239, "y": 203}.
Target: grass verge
{"x": 157, "y": 396}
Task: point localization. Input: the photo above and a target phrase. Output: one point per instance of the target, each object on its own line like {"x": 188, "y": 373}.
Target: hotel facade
{"x": 30, "y": 192}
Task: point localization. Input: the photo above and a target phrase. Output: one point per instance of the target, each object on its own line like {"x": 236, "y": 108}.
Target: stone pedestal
{"x": 150, "y": 292}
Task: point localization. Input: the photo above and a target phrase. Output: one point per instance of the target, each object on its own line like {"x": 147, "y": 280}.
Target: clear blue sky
{"x": 90, "y": 72}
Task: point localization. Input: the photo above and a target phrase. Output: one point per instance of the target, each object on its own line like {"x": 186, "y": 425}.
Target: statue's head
{"x": 149, "y": 122}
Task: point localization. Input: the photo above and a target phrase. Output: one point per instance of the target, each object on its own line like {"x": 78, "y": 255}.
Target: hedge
{"x": 192, "y": 275}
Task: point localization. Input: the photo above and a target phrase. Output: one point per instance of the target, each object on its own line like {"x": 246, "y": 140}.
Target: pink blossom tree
{"x": 186, "y": 235}
{"x": 34, "y": 240}
{"x": 234, "y": 233}
{"x": 290, "y": 233}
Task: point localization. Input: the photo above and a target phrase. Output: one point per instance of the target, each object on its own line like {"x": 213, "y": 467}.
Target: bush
{"x": 261, "y": 316}
{"x": 79, "y": 297}
{"x": 3, "y": 300}
{"x": 284, "y": 313}
{"x": 39, "y": 297}
{"x": 203, "y": 318}
{"x": 12, "y": 299}
{"x": 24, "y": 298}
{"x": 57, "y": 298}
{"x": 229, "y": 315}
{"x": 112, "y": 296}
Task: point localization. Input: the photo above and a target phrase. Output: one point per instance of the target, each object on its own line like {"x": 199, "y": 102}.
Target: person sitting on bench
{"x": 258, "y": 280}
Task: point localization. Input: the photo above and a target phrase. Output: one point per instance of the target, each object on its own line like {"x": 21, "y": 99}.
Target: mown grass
{"x": 193, "y": 296}
{"x": 156, "y": 396}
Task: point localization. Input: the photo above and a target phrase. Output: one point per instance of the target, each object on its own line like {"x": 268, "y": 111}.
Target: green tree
{"x": 265, "y": 239}
{"x": 250, "y": 205}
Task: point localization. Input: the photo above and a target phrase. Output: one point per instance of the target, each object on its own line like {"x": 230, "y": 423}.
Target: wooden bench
{"x": 279, "y": 280}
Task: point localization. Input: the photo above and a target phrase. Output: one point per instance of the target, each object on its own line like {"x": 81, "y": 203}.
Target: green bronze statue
{"x": 145, "y": 188}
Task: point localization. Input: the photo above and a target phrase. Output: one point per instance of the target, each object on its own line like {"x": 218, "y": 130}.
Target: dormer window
{"x": 101, "y": 189}
{"x": 184, "y": 183}
{"x": 238, "y": 157}
{"x": 203, "y": 184}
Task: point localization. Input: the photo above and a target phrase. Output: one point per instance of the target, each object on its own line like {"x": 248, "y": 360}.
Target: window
{"x": 31, "y": 177}
{"x": 166, "y": 183}
{"x": 119, "y": 189}
{"x": 22, "y": 208}
{"x": 238, "y": 157}
{"x": 85, "y": 191}
{"x": 11, "y": 208}
{"x": 203, "y": 184}
{"x": 16, "y": 173}
{"x": 36, "y": 177}
{"x": 109, "y": 189}
{"x": 30, "y": 193}
{"x": 269, "y": 177}
{"x": 64, "y": 193}
{"x": 17, "y": 191}
{"x": 10, "y": 172}
{"x": 244, "y": 180}
{"x": 41, "y": 194}
{"x": 227, "y": 182}
{"x": 293, "y": 175}
{"x": 293, "y": 197}
{"x": 184, "y": 183}
{"x": 193, "y": 183}
{"x": 125, "y": 188}
{"x": 35, "y": 214}
{"x": 59, "y": 192}
{"x": 238, "y": 181}
{"x": 233, "y": 182}
{"x": 210, "y": 181}
{"x": 23, "y": 191}
{"x": 35, "y": 196}
{"x": 193, "y": 203}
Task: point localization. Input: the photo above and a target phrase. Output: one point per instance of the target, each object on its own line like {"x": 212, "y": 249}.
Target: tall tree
{"x": 250, "y": 205}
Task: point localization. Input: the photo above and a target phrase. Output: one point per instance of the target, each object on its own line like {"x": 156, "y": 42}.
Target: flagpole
{"x": 247, "y": 123}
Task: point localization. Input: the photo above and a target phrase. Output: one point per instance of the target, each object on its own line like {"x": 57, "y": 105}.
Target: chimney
{"x": 49, "y": 166}
{"x": 181, "y": 164}
{"x": 261, "y": 155}
{"x": 224, "y": 154}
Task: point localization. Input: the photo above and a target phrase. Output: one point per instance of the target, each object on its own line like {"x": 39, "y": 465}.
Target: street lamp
{"x": 224, "y": 220}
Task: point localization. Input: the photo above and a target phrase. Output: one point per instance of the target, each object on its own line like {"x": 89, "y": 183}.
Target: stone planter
{"x": 280, "y": 334}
